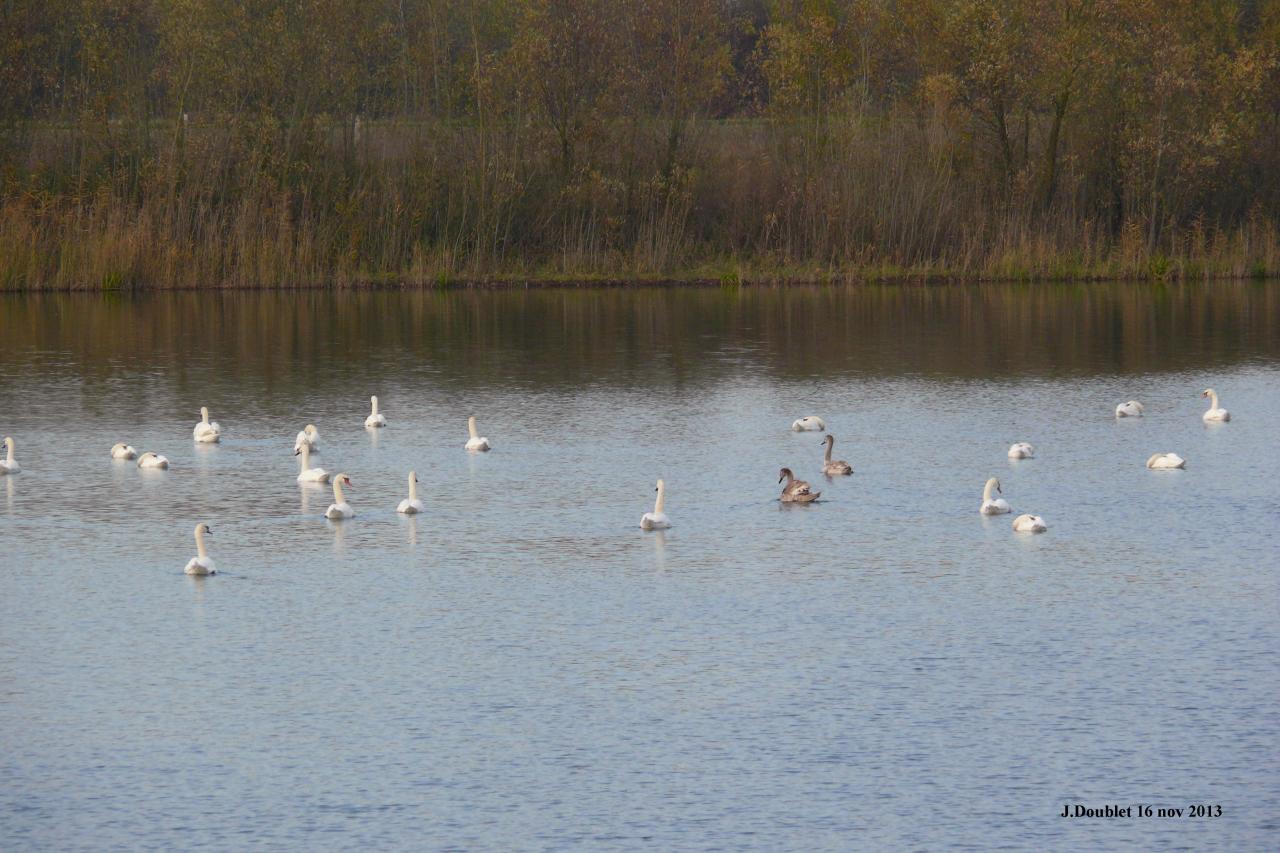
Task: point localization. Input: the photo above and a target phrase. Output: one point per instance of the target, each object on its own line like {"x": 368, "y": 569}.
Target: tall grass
{"x": 425, "y": 204}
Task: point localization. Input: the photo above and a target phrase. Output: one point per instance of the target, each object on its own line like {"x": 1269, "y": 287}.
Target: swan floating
{"x": 340, "y": 508}
{"x": 837, "y": 467}
{"x": 997, "y": 506}
{"x": 201, "y": 563}
{"x": 796, "y": 491}
{"x": 809, "y": 423}
{"x": 153, "y": 460}
{"x": 309, "y": 437}
{"x": 1021, "y": 450}
{"x": 307, "y": 474}
{"x": 1131, "y": 409}
{"x": 120, "y": 450}
{"x": 374, "y": 419}
{"x": 1216, "y": 412}
{"x": 476, "y": 441}
{"x": 657, "y": 520}
{"x": 1029, "y": 524}
{"x": 206, "y": 431}
{"x": 9, "y": 465}
{"x": 411, "y": 505}
{"x": 1166, "y": 461}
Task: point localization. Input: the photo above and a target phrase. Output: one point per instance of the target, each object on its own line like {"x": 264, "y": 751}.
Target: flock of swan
{"x": 795, "y": 490}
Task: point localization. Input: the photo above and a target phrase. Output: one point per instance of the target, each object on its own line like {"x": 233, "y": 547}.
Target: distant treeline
{"x": 314, "y": 142}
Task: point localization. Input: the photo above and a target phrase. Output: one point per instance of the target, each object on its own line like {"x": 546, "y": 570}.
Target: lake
{"x": 522, "y": 667}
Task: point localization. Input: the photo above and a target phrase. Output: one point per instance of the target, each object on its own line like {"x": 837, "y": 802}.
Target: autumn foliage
{"x": 315, "y": 142}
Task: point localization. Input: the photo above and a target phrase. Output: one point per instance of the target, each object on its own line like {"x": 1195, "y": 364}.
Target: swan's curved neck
{"x": 373, "y": 401}
{"x": 987, "y": 489}
{"x": 9, "y": 457}
{"x": 661, "y": 502}
{"x": 471, "y": 427}
{"x": 1213, "y": 399}
{"x": 830, "y": 444}
{"x": 204, "y": 414}
{"x": 200, "y": 543}
{"x": 413, "y": 487}
{"x": 305, "y": 452}
{"x": 337, "y": 492}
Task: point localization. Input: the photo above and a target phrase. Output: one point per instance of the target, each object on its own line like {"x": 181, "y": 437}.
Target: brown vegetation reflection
{"x": 663, "y": 334}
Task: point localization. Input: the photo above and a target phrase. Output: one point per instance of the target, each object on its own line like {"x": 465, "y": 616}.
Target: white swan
{"x": 9, "y": 465}
{"x": 201, "y": 563}
{"x": 120, "y": 450}
{"x": 411, "y": 505}
{"x": 475, "y": 442}
{"x": 1029, "y": 524}
{"x": 307, "y": 474}
{"x": 657, "y": 520}
{"x": 340, "y": 508}
{"x": 152, "y": 460}
{"x": 1021, "y": 450}
{"x": 310, "y": 437}
{"x": 1166, "y": 461}
{"x": 374, "y": 419}
{"x": 809, "y": 423}
{"x": 206, "y": 431}
{"x": 1216, "y": 412}
{"x": 993, "y": 507}
{"x": 1131, "y": 409}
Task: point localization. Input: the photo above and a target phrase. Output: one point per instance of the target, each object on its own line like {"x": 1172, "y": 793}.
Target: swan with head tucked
{"x": 153, "y": 460}
{"x": 1216, "y": 412}
{"x": 657, "y": 520}
{"x": 809, "y": 423}
{"x": 996, "y": 506}
{"x": 1029, "y": 524}
{"x": 206, "y": 431}
{"x": 375, "y": 419}
{"x": 310, "y": 436}
{"x": 1021, "y": 450}
{"x": 837, "y": 467}
{"x": 796, "y": 491}
{"x": 1131, "y": 409}
{"x": 9, "y": 465}
{"x": 201, "y": 563}
{"x": 411, "y": 505}
{"x": 340, "y": 508}
{"x": 476, "y": 441}
{"x": 120, "y": 450}
{"x": 307, "y": 474}
{"x": 1166, "y": 461}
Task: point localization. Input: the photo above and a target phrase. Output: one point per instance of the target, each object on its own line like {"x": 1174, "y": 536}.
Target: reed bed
{"x": 436, "y": 204}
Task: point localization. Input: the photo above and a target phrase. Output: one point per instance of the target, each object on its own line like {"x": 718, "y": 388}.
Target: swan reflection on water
{"x": 660, "y": 550}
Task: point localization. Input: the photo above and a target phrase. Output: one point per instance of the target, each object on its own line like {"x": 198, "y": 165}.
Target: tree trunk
{"x": 1049, "y": 177}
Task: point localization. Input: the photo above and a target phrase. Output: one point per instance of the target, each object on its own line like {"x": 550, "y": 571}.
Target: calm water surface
{"x": 521, "y": 667}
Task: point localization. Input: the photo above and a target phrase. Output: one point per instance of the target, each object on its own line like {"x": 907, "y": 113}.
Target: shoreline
{"x": 646, "y": 282}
